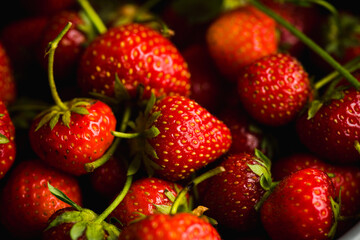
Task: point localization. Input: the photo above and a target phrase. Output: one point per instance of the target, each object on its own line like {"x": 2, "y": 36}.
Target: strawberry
{"x": 232, "y": 196}
{"x": 7, "y": 141}
{"x": 164, "y": 226}
{"x": 108, "y": 179}
{"x": 274, "y": 89}
{"x": 70, "y": 47}
{"x": 240, "y": 36}
{"x": 26, "y": 202}
{"x": 332, "y": 134}
{"x": 8, "y": 87}
{"x": 138, "y": 55}
{"x": 181, "y": 137}
{"x": 301, "y": 206}
{"x": 146, "y": 196}
{"x": 82, "y": 137}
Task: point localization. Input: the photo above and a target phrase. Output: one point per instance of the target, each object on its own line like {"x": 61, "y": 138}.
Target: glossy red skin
{"x": 8, "y": 88}
{"x": 332, "y": 132}
{"x": 7, "y": 150}
{"x": 180, "y": 226}
{"x": 109, "y": 179}
{"x": 232, "y": 195}
{"x": 300, "y": 207}
{"x": 190, "y": 137}
{"x": 69, "y": 49}
{"x": 69, "y": 149}
{"x": 143, "y": 194}
{"x": 138, "y": 55}
{"x": 27, "y": 203}
{"x": 268, "y": 94}
{"x": 239, "y": 37}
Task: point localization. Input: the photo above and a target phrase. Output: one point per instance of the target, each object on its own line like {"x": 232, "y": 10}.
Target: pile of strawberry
{"x": 179, "y": 119}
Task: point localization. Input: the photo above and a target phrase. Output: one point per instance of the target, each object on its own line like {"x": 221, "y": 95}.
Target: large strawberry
{"x": 138, "y": 55}
{"x": 240, "y": 36}
{"x": 232, "y": 196}
{"x": 332, "y": 133}
{"x": 8, "y": 87}
{"x": 301, "y": 206}
{"x": 178, "y": 226}
{"x": 177, "y": 137}
{"x": 26, "y": 202}
{"x": 7, "y": 140}
{"x": 274, "y": 89}
{"x": 146, "y": 196}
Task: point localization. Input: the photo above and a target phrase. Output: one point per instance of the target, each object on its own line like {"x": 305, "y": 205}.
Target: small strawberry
{"x": 70, "y": 134}
{"x": 7, "y": 141}
{"x": 176, "y": 137}
{"x": 232, "y": 196}
{"x": 8, "y": 87}
{"x": 301, "y": 206}
{"x": 178, "y": 226}
{"x": 138, "y": 55}
{"x": 332, "y": 134}
{"x": 26, "y": 202}
{"x": 240, "y": 36}
{"x": 274, "y": 89}
{"x": 146, "y": 196}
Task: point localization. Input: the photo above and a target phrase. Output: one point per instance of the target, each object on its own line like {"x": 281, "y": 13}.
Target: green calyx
{"x": 3, "y": 139}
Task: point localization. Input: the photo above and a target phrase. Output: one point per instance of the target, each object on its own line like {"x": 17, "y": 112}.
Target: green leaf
{"x": 54, "y": 120}
{"x": 151, "y": 119}
{"x": 80, "y": 110}
{"x": 258, "y": 169}
{"x": 66, "y": 217}
{"x": 62, "y": 196}
{"x": 314, "y": 108}
{"x": 120, "y": 90}
{"x": 264, "y": 158}
{"x": 150, "y": 104}
{"x": 66, "y": 118}
{"x": 134, "y": 165}
{"x": 46, "y": 118}
{"x": 149, "y": 150}
{"x": 3, "y": 139}
{"x": 163, "y": 208}
{"x": 95, "y": 231}
{"x": 112, "y": 231}
{"x": 77, "y": 230}
{"x": 151, "y": 132}
{"x": 357, "y": 146}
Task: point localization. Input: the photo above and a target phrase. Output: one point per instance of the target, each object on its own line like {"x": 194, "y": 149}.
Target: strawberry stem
{"x": 179, "y": 198}
{"x": 51, "y": 51}
{"x": 95, "y": 18}
{"x": 310, "y": 43}
{"x": 116, "y": 201}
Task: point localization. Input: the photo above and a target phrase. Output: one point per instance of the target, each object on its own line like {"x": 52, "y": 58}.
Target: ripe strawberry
{"x": 138, "y": 55}
{"x": 27, "y": 203}
{"x": 70, "y": 47}
{"x": 274, "y": 89}
{"x": 189, "y": 137}
{"x": 7, "y": 140}
{"x": 79, "y": 138}
{"x": 232, "y": 196}
{"x": 240, "y": 36}
{"x": 109, "y": 178}
{"x": 332, "y": 134}
{"x": 8, "y": 91}
{"x": 164, "y": 226}
{"x": 300, "y": 207}
{"x": 146, "y": 196}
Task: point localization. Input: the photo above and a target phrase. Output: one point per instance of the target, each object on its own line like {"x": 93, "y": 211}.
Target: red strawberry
{"x": 240, "y": 36}
{"x": 138, "y": 55}
{"x": 109, "y": 178}
{"x": 232, "y": 196}
{"x": 189, "y": 137}
{"x": 7, "y": 140}
{"x": 8, "y": 88}
{"x": 70, "y": 47}
{"x": 274, "y": 89}
{"x": 300, "y": 207}
{"x": 179, "y": 226}
{"x": 332, "y": 133}
{"x": 79, "y": 138}
{"x": 146, "y": 196}
{"x": 27, "y": 203}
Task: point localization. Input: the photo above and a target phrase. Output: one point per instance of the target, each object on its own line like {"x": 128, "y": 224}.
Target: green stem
{"x": 90, "y": 167}
{"x": 95, "y": 18}
{"x": 311, "y": 44}
{"x": 188, "y": 187}
{"x": 116, "y": 201}
{"x": 125, "y": 135}
{"x": 51, "y": 51}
